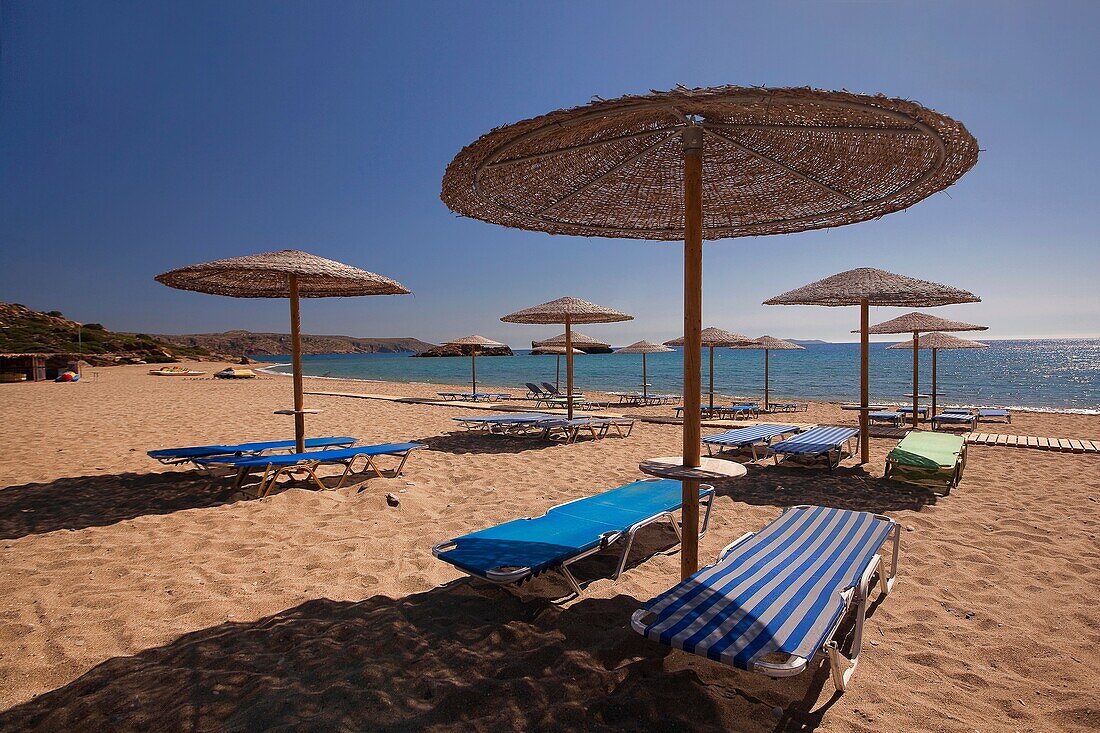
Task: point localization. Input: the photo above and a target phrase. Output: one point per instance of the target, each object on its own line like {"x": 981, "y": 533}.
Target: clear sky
{"x": 137, "y": 137}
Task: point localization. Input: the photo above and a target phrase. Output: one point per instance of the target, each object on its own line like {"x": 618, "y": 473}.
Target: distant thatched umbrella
{"x": 866, "y": 286}
{"x": 476, "y": 342}
{"x": 936, "y": 341}
{"x": 559, "y": 352}
{"x": 580, "y": 342}
{"x": 710, "y": 338}
{"x": 284, "y": 274}
{"x": 644, "y": 347}
{"x": 916, "y": 324}
{"x": 567, "y": 311}
{"x": 770, "y": 343}
{"x": 778, "y": 160}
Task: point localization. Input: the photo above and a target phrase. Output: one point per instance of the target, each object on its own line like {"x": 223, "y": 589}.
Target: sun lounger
{"x": 962, "y": 419}
{"x": 745, "y": 409}
{"x": 989, "y": 413}
{"x": 750, "y": 437}
{"x": 452, "y": 396}
{"x": 921, "y": 411}
{"x": 776, "y": 598}
{"x": 516, "y": 551}
{"x": 892, "y": 417}
{"x": 520, "y": 422}
{"x": 173, "y": 456}
{"x": 789, "y": 406}
{"x": 598, "y": 427}
{"x": 927, "y": 455}
{"x": 534, "y": 392}
{"x": 275, "y": 466}
{"x": 821, "y": 442}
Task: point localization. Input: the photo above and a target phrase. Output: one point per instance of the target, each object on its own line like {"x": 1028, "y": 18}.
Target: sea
{"x": 1042, "y": 375}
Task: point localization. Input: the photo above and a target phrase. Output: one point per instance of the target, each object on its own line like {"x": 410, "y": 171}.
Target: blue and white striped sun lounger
{"x": 275, "y": 466}
{"x": 987, "y": 413}
{"x": 751, "y": 437}
{"x": 523, "y": 548}
{"x": 891, "y": 417}
{"x": 172, "y": 456}
{"x": 775, "y": 598}
{"x": 966, "y": 419}
{"x": 921, "y": 411}
{"x": 598, "y": 427}
{"x": 821, "y": 442}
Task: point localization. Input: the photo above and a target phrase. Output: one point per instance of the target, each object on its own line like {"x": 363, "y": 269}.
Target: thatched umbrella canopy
{"x": 867, "y": 286}
{"x": 567, "y": 311}
{"x": 644, "y": 347}
{"x": 710, "y": 338}
{"x": 777, "y": 160}
{"x": 935, "y": 341}
{"x": 917, "y": 323}
{"x": 581, "y": 342}
{"x": 769, "y": 344}
{"x": 559, "y": 352}
{"x": 477, "y": 342}
{"x": 289, "y": 274}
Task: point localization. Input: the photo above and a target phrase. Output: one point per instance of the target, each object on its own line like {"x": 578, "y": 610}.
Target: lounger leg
{"x": 564, "y": 570}
{"x": 707, "y": 502}
{"x": 886, "y": 582}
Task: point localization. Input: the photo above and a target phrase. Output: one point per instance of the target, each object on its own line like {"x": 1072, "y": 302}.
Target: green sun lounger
{"x": 923, "y": 455}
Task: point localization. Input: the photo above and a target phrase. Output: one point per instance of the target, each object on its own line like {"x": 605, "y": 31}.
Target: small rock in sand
{"x": 392, "y": 500}
{"x": 908, "y": 528}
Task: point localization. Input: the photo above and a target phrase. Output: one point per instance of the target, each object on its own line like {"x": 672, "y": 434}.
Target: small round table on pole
{"x": 709, "y": 469}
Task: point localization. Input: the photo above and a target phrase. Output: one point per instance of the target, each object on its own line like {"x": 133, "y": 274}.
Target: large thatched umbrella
{"x": 567, "y": 311}
{"x": 711, "y": 338}
{"x": 936, "y": 341}
{"x": 916, "y": 324}
{"x": 644, "y": 347}
{"x": 290, "y": 274}
{"x": 777, "y": 160}
{"x": 768, "y": 344}
{"x": 866, "y": 286}
{"x": 580, "y": 342}
{"x": 476, "y": 343}
{"x": 559, "y": 352}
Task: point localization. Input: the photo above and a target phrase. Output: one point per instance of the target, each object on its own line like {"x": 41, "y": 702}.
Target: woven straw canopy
{"x": 923, "y": 323}
{"x": 877, "y": 287}
{"x": 770, "y": 343}
{"x": 775, "y": 161}
{"x": 644, "y": 347}
{"x": 578, "y": 311}
{"x": 266, "y": 276}
{"x": 936, "y": 340}
{"x": 715, "y": 337}
{"x": 579, "y": 339}
{"x": 474, "y": 340}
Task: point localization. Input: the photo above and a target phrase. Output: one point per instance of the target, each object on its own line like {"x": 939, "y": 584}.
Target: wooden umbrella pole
{"x": 645, "y": 381}
{"x": 296, "y": 359}
{"x": 693, "y": 326}
{"x": 765, "y": 380}
{"x": 864, "y": 387}
{"x": 933, "y": 412}
{"x": 473, "y": 370}
{"x": 569, "y": 364}
{"x": 916, "y": 377}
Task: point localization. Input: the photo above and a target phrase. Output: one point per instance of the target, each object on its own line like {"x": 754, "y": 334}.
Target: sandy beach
{"x": 134, "y": 596}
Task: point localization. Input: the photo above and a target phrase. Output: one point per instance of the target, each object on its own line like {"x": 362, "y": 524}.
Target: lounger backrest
{"x": 778, "y": 592}
{"x": 551, "y": 389}
{"x": 533, "y": 389}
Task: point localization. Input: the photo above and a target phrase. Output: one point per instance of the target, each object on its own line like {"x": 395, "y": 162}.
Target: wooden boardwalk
{"x": 1061, "y": 445}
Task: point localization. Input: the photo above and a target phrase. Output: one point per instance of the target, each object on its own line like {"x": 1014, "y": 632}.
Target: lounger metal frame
{"x": 505, "y": 578}
{"x": 840, "y": 666}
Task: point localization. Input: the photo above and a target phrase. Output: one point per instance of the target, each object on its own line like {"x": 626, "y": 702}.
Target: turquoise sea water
{"x": 1041, "y": 374}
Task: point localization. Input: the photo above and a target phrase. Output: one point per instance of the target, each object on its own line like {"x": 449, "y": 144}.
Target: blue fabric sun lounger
{"x": 275, "y": 466}
{"x": 516, "y": 551}
{"x": 921, "y": 411}
{"x": 776, "y": 598}
{"x": 966, "y": 419}
{"x": 885, "y": 416}
{"x": 172, "y": 456}
{"x": 821, "y": 442}
{"x": 987, "y": 413}
{"x": 751, "y": 437}
{"x": 744, "y": 409}
{"x": 520, "y": 422}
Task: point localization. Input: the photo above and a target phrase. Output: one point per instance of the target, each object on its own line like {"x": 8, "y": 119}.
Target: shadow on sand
{"x": 461, "y": 442}
{"x": 459, "y": 657}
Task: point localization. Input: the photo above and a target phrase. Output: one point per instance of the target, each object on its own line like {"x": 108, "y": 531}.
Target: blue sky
{"x": 137, "y": 137}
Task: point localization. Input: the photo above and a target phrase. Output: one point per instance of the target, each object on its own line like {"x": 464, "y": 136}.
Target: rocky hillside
{"x": 239, "y": 343}
{"x": 23, "y": 330}
{"x": 456, "y": 350}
